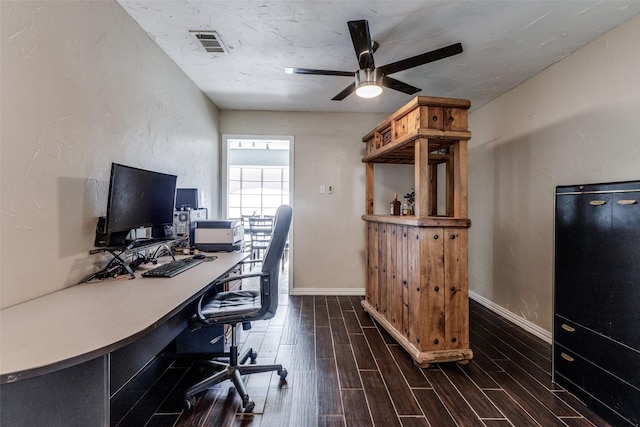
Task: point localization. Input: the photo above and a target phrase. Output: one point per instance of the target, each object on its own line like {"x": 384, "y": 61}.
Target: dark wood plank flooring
{"x": 344, "y": 370}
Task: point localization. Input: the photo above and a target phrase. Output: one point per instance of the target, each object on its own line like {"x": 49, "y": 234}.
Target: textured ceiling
{"x": 505, "y": 43}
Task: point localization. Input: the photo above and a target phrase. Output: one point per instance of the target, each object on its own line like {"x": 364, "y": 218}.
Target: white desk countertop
{"x": 85, "y": 321}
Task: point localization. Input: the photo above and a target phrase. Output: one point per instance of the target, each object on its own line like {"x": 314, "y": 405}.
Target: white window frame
{"x": 224, "y": 179}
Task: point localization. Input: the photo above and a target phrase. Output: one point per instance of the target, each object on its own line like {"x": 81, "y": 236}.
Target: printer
{"x": 225, "y": 235}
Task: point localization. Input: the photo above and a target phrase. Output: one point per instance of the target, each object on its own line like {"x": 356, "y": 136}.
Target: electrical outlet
{"x": 323, "y": 189}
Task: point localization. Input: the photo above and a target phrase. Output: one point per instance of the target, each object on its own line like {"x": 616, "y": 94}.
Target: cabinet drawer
{"x": 429, "y": 118}
{"x": 371, "y": 145}
{"x": 612, "y": 356}
{"x": 385, "y": 136}
{"x": 381, "y": 139}
{"x": 455, "y": 119}
{"x": 596, "y": 386}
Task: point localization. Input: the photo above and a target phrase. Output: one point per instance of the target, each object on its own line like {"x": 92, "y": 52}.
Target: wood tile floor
{"x": 346, "y": 371}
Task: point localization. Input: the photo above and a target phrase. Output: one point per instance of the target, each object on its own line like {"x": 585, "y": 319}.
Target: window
{"x": 255, "y": 190}
{"x": 257, "y": 174}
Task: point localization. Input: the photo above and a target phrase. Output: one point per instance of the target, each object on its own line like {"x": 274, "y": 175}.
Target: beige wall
{"x": 328, "y": 232}
{"x": 576, "y": 122}
{"x": 82, "y": 86}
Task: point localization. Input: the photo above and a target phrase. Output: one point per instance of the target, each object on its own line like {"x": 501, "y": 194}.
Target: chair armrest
{"x": 255, "y": 261}
{"x": 240, "y": 277}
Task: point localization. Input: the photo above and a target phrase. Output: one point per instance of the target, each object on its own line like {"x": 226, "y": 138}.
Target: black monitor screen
{"x": 139, "y": 198}
{"x": 186, "y": 198}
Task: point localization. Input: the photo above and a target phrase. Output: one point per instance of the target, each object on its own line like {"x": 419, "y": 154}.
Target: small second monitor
{"x": 186, "y": 199}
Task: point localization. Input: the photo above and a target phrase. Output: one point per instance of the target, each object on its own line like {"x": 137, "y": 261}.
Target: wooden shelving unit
{"x": 417, "y": 275}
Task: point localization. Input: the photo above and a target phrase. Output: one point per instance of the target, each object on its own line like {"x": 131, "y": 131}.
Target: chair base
{"x": 233, "y": 371}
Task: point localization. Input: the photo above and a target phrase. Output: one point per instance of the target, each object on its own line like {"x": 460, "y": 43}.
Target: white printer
{"x": 217, "y": 235}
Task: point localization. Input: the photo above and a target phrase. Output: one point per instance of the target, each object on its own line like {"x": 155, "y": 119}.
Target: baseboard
{"x": 328, "y": 291}
{"x": 525, "y": 324}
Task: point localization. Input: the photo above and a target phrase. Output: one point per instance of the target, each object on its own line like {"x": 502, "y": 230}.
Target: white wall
{"x": 576, "y": 122}
{"x": 328, "y": 232}
{"x": 82, "y": 86}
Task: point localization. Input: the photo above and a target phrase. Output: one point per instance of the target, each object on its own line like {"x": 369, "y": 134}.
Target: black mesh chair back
{"x": 273, "y": 256}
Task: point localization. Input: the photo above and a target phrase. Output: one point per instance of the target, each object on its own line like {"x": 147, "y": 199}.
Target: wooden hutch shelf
{"x": 417, "y": 278}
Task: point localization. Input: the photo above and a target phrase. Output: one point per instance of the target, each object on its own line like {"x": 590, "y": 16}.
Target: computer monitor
{"x": 137, "y": 198}
{"x": 186, "y": 199}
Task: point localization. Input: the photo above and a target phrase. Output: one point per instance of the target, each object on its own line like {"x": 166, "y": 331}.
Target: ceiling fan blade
{"x": 361, "y": 40}
{"x": 319, "y": 72}
{"x": 424, "y": 58}
{"x": 399, "y": 86}
{"x": 345, "y": 92}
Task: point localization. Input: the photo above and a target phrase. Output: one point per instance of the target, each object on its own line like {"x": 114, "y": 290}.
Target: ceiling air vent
{"x": 211, "y": 41}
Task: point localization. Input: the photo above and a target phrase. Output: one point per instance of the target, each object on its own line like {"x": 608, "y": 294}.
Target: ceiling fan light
{"x": 368, "y": 90}
{"x": 368, "y": 83}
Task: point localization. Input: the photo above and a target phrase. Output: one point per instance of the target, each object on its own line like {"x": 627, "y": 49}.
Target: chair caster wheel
{"x": 189, "y": 402}
{"x": 250, "y": 407}
{"x": 283, "y": 373}
{"x": 254, "y": 356}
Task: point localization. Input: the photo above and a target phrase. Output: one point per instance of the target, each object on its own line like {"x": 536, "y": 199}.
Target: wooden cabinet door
{"x": 414, "y": 257}
{"x": 403, "y": 278}
{"x": 394, "y": 273}
{"x": 583, "y": 233}
{"x": 456, "y": 283}
{"x": 432, "y": 321}
{"x": 383, "y": 297}
{"x": 371, "y": 283}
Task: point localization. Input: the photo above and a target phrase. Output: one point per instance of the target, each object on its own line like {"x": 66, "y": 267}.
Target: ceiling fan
{"x": 369, "y": 79}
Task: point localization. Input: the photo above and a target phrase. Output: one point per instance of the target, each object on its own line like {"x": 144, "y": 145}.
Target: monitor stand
{"x": 117, "y": 265}
{"x": 115, "y": 239}
{"x": 113, "y": 267}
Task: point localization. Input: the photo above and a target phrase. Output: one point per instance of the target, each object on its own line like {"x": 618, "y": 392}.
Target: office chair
{"x": 241, "y": 307}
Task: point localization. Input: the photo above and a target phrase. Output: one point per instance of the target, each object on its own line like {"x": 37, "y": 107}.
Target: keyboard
{"x": 172, "y": 268}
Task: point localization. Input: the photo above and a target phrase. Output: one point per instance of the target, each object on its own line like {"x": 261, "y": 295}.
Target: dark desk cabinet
{"x": 597, "y": 297}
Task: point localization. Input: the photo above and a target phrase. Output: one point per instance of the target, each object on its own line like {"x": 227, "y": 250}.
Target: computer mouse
{"x": 199, "y": 256}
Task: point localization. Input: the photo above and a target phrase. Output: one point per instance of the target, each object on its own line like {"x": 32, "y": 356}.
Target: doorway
{"x": 258, "y": 178}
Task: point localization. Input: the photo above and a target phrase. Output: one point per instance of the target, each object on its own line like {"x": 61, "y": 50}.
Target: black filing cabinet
{"x": 596, "y": 349}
